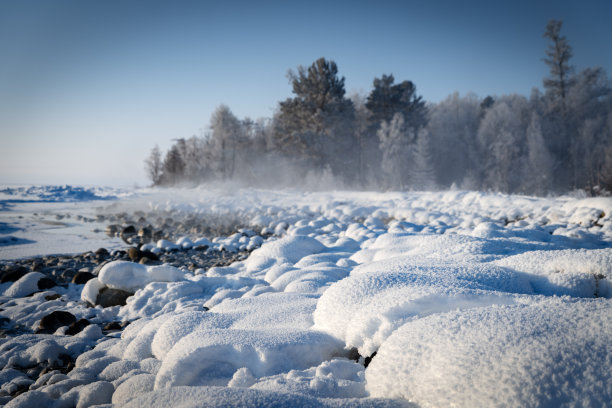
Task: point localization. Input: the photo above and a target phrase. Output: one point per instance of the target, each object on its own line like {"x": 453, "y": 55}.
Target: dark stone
{"x": 145, "y": 261}
{"x": 353, "y": 354}
{"x": 129, "y": 230}
{"x": 54, "y": 296}
{"x": 157, "y": 235}
{"x": 81, "y": 278}
{"x": 368, "y": 360}
{"x": 112, "y": 297}
{"x": 46, "y": 283}
{"x": 112, "y": 326}
{"x": 77, "y": 327}
{"x": 134, "y": 254}
{"x": 68, "y": 274}
{"x": 145, "y": 232}
{"x": 101, "y": 254}
{"x": 112, "y": 230}
{"x": 53, "y": 321}
{"x": 149, "y": 255}
{"x": 13, "y": 274}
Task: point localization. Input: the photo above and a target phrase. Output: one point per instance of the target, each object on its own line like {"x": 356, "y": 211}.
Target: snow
{"x": 459, "y": 298}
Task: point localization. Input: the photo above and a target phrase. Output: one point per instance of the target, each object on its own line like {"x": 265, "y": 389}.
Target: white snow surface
{"x": 460, "y": 299}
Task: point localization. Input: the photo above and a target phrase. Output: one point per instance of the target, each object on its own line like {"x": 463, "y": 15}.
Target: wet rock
{"x": 13, "y": 274}
{"x": 112, "y": 297}
{"x": 80, "y": 278}
{"x": 46, "y": 283}
{"x": 77, "y": 327}
{"x": 53, "y": 321}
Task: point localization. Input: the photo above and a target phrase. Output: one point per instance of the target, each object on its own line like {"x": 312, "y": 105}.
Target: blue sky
{"x": 87, "y": 88}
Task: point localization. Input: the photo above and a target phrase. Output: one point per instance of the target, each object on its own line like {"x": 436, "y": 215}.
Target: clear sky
{"x": 87, "y": 87}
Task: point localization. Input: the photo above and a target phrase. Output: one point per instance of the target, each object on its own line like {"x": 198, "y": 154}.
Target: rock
{"x": 112, "y": 230}
{"x": 150, "y": 255}
{"x": 157, "y": 235}
{"x": 112, "y": 297}
{"x": 101, "y": 254}
{"x": 54, "y": 296}
{"x": 145, "y": 233}
{"x": 77, "y": 326}
{"x": 46, "y": 283}
{"x": 134, "y": 254}
{"x": 53, "y": 321}
{"x": 112, "y": 326}
{"x": 81, "y": 278}
{"x": 128, "y": 232}
{"x": 68, "y": 274}
{"x": 13, "y": 274}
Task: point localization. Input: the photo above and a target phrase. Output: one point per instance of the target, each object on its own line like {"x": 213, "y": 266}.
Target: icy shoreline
{"x": 471, "y": 299}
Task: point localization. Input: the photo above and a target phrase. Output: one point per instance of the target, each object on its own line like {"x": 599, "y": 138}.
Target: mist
{"x": 554, "y": 141}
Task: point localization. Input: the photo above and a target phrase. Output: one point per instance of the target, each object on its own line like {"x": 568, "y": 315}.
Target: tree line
{"x": 555, "y": 140}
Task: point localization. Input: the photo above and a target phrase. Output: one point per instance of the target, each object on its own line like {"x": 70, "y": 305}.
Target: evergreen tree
{"x": 314, "y": 126}
{"x": 174, "y": 166}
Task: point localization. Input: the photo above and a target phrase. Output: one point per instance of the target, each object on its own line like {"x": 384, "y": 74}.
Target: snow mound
{"x": 289, "y": 249}
{"x": 128, "y": 276}
{"x": 573, "y": 272}
{"x": 365, "y": 308}
{"x": 211, "y": 357}
{"x": 192, "y": 397}
{"x": 553, "y": 352}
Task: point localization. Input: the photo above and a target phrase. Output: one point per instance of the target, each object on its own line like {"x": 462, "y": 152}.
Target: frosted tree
{"x": 394, "y": 146}
{"x": 421, "y": 172}
{"x": 453, "y": 127}
{"x": 502, "y": 135}
{"x": 226, "y": 141}
{"x": 538, "y": 175}
{"x": 174, "y": 166}
{"x": 154, "y": 166}
{"x": 194, "y": 155}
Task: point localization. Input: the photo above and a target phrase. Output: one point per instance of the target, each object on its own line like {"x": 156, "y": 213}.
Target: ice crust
{"x": 467, "y": 299}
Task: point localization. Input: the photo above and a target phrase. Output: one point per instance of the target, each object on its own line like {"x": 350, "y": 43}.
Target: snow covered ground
{"x": 451, "y": 298}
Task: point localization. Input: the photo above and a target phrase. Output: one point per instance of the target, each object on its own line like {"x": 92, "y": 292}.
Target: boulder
{"x": 54, "y": 320}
